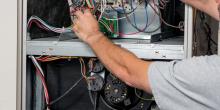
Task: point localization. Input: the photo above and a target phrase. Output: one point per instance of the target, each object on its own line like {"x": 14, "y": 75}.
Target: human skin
{"x": 122, "y": 63}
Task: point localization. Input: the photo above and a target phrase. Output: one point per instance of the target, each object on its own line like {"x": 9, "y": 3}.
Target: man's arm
{"x": 124, "y": 64}
{"x": 119, "y": 61}
{"x": 211, "y": 7}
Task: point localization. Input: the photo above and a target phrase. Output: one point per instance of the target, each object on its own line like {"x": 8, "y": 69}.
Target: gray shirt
{"x": 192, "y": 84}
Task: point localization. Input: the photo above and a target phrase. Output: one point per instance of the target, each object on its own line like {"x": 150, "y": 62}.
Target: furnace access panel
{"x": 149, "y": 28}
{"x": 62, "y": 72}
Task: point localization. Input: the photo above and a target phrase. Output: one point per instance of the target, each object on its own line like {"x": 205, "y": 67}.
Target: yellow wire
{"x": 53, "y": 58}
{"x": 150, "y": 99}
{"x": 82, "y": 63}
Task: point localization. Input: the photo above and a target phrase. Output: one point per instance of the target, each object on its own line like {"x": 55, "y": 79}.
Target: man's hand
{"x": 86, "y": 26}
{"x": 122, "y": 63}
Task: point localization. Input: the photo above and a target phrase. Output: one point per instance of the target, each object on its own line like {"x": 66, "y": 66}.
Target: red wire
{"x": 44, "y": 86}
{"x": 84, "y": 67}
{"x": 43, "y": 58}
{"x": 38, "y": 24}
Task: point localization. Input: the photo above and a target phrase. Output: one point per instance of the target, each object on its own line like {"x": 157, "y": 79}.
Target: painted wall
{"x": 8, "y": 44}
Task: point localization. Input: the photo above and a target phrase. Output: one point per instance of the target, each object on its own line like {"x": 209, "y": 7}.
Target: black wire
{"x": 96, "y": 8}
{"x": 207, "y": 29}
{"x": 208, "y": 33}
{"x": 96, "y": 100}
{"x": 214, "y": 42}
{"x": 65, "y": 93}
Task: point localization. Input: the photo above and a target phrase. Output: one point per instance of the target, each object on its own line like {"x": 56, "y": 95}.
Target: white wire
{"x": 37, "y": 65}
{"x": 102, "y": 8}
{"x": 81, "y": 67}
{"x": 70, "y": 2}
{"x": 48, "y": 27}
{"x": 42, "y": 73}
{"x": 81, "y": 70}
{"x": 106, "y": 26}
{"x": 66, "y": 92}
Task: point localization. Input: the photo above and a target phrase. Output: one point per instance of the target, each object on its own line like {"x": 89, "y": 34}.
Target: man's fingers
{"x": 78, "y": 14}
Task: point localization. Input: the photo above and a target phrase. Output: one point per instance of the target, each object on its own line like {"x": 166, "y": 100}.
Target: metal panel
{"x": 21, "y": 64}
{"x": 8, "y": 47}
{"x": 188, "y": 31}
{"x": 175, "y": 50}
{"x": 153, "y": 22}
{"x": 19, "y": 59}
{"x": 24, "y": 34}
{"x": 219, "y": 39}
{"x": 167, "y": 49}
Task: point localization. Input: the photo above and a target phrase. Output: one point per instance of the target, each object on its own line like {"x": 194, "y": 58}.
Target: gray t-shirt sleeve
{"x": 192, "y": 84}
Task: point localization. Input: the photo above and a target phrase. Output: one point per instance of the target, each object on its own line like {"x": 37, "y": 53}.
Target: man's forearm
{"x": 208, "y": 6}
{"x": 124, "y": 64}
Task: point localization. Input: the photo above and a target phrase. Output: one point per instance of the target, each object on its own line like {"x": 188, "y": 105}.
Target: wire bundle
{"x": 126, "y": 16}
{"x": 90, "y": 4}
{"x": 102, "y": 8}
{"x": 43, "y": 25}
{"x": 53, "y": 58}
{"x": 83, "y": 68}
{"x": 40, "y": 73}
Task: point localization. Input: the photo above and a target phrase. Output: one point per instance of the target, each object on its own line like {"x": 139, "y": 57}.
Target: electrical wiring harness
{"x": 40, "y": 73}
{"x": 100, "y": 8}
{"x": 43, "y": 25}
{"x": 116, "y": 82}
